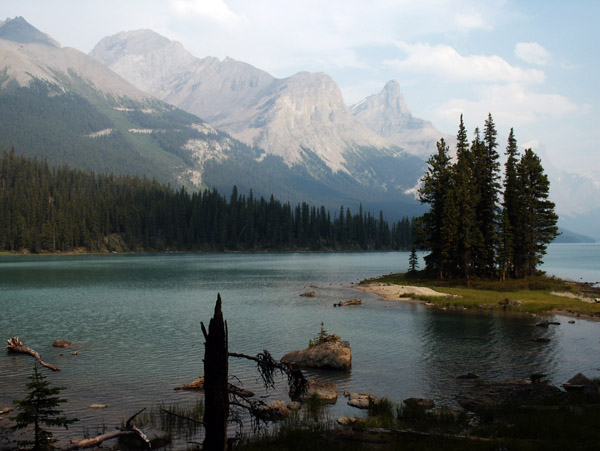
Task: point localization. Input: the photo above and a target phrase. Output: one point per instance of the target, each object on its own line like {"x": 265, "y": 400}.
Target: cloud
{"x": 510, "y": 104}
{"x": 472, "y": 21}
{"x": 445, "y": 62}
{"x": 212, "y": 10}
{"x": 533, "y": 53}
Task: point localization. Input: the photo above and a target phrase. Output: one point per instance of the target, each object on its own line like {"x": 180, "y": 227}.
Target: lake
{"x": 135, "y": 323}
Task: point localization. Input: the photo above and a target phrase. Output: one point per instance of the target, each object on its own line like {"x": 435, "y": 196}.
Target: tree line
{"x": 469, "y": 230}
{"x": 45, "y": 208}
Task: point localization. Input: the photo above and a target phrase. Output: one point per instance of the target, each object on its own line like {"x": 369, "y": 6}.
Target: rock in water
{"x": 61, "y": 343}
{"x": 333, "y": 354}
{"x": 326, "y": 391}
{"x": 424, "y": 403}
{"x": 361, "y": 400}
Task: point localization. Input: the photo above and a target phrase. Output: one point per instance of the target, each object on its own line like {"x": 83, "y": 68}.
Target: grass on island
{"x": 531, "y": 294}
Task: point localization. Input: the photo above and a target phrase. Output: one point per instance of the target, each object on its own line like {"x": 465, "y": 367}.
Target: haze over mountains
{"x": 140, "y": 104}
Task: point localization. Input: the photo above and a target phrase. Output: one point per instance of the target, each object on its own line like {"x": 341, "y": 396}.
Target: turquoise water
{"x": 135, "y": 322}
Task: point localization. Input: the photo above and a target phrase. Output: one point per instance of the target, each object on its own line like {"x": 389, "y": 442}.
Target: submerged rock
{"x": 309, "y": 294}
{"x": 275, "y": 410}
{"x": 424, "y": 403}
{"x": 361, "y": 400}
{"x": 345, "y": 421}
{"x": 61, "y": 343}
{"x": 333, "y": 354}
{"x": 326, "y": 391}
{"x": 481, "y": 397}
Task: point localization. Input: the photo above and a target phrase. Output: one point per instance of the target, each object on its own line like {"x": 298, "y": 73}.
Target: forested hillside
{"x": 62, "y": 209}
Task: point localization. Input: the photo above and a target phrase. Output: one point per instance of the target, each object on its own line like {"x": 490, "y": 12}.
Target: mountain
{"x": 68, "y": 108}
{"x": 567, "y": 236}
{"x": 62, "y": 105}
{"x": 19, "y": 30}
{"x": 386, "y": 114}
{"x": 302, "y": 119}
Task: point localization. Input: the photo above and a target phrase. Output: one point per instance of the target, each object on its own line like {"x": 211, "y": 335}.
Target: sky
{"x": 532, "y": 64}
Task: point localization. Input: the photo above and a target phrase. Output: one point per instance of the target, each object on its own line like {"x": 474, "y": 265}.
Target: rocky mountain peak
{"x": 387, "y": 114}
{"x": 21, "y": 31}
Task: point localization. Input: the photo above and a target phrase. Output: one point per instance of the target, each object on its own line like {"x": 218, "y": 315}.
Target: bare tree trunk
{"x": 216, "y": 393}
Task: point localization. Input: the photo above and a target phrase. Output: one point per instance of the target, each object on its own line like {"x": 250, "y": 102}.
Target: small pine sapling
{"x": 40, "y": 407}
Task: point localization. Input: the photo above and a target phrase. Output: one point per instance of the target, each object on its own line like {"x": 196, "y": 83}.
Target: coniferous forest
{"x": 62, "y": 209}
{"x": 469, "y": 229}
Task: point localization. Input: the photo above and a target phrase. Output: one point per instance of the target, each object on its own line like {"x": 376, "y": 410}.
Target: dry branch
{"x": 15, "y": 345}
{"x": 129, "y": 428}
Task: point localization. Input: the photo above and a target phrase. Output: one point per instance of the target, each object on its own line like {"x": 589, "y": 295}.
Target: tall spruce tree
{"x": 537, "y": 226}
{"x": 486, "y": 175}
{"x": 511, "y": 210}
{"x": 468, "y": 234}
{"x": 434, "y": 191}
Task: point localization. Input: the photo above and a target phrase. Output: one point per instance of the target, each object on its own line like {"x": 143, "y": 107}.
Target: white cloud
{"x": 445, "y": 62}
{"x": 472, "y": 21}
{"x": 213, "y": 10}
{"x": 532, "y": 53}
{"x": 510, "y": 104}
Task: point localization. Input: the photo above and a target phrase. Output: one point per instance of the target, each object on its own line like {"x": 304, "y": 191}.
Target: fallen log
{"x": 346, "y": 303}
{"x": 15, "y": 345}
{"x": 129, "y": 428}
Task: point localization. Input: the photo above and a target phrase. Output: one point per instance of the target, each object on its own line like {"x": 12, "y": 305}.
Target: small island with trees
{"x": 485, "y": 239}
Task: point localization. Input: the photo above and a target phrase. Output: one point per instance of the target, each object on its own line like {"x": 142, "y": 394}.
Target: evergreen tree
{"x": 434, "y": 191}
{"x": 486, "y": 175}
{"x": 537, "y": 226}
{"x": 512, "y": 209}
{"x": 413, "y": 260}
{"x": 468, "y": 233}
{"x": 40, "y": 407}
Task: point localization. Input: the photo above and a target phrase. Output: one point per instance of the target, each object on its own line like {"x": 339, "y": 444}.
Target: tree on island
{"x": 468, "y": 231}
{"x": 413, "y": 260}
{"x": 40, "y": 407}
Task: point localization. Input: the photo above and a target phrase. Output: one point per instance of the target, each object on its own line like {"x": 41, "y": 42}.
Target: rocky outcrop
{"x": 332, "y": 354}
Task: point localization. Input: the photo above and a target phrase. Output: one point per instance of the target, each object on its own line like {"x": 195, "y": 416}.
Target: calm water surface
{"x": 135, "y": 322}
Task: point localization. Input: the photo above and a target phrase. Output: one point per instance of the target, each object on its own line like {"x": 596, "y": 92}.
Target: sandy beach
{"x": 403, "y": 293}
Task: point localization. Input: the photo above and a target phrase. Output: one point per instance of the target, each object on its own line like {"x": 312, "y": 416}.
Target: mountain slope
{"x": 386, "y": 113}
{"x": 62, "y": 105}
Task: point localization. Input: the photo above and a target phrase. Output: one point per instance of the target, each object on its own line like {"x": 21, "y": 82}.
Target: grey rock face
{"x": 386, "y": 113}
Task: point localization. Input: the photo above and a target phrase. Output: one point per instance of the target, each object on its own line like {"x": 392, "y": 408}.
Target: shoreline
{"x": 390, "y": 292}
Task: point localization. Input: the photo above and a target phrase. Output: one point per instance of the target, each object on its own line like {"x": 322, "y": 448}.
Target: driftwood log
{"x": 15, "y": 345}
{"x": 129, "y": 428}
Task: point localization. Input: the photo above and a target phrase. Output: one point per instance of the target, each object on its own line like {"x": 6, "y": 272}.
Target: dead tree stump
{"x": 216, "y": 393}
